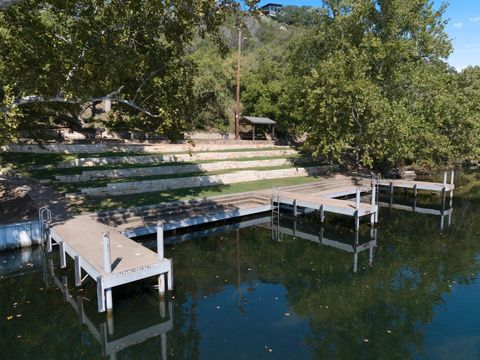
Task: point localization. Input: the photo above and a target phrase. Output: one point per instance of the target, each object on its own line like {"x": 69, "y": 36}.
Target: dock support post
{"x": 415, "y": 190}
{"x": 357, "y": 198}
{"x": 63, "y": 258}
{"x": 107, "y": 267}
{"x": 100, "y": 295}
{"x": 374, "y": 196}
{"x": 160, "y": 253}
{"x": 357, "y": 206}
{"x": 391, "y": 188}
{"x": 170, "y": 277}
{"x": 107, "y": 256}
{"x": 444, "y": 179}
{"x": 78, "y": 271}
{"x": 295, "y": 207}
{"x": 48, "y": 238}
{"x": 322, "y": 214}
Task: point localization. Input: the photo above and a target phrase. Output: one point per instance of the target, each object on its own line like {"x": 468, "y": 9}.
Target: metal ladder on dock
{"x": 276, "y": 235}
{"x": 45, "y": 219}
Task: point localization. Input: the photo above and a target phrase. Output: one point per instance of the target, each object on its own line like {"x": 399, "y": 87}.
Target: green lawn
{"x": 76, "y": 187}
{"x": 92, "y": 204}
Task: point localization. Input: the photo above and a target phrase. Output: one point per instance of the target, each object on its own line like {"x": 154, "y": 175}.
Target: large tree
{"x": 376, "y": 90}
{"x": 58, "y": 58}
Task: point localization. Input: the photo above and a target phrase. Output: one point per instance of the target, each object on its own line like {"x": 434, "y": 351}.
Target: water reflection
{"x": 242, "y": 295}
{"x": 300, "y": 230}
{"x": 104, "y": 332}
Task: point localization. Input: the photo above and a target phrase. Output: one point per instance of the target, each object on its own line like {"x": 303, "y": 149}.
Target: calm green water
{"x": 241, "y": 294}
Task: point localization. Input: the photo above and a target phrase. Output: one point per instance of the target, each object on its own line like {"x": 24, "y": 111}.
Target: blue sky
{"x": 463, "y": 28}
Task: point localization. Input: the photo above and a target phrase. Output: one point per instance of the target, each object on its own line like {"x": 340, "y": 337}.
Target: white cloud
{"x": 458, "y": 25}
{"x": 475, "y": 19}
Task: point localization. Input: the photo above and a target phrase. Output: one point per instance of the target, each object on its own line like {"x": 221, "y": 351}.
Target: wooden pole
{"x": 237, "y": 117}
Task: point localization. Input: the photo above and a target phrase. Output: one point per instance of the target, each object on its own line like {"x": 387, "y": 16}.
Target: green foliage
{"x": 376, "y": 90}
{"x": 59, "y": 58}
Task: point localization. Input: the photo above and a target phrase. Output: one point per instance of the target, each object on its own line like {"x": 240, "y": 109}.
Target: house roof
{"x": 258, "y": 120}
{"x": 274, "y": 4}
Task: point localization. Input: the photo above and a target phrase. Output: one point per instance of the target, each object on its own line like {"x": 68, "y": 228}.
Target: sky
{"x": 463, "y": 28}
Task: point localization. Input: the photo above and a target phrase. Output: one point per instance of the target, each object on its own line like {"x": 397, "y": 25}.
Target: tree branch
{"x": 35, "y": 99}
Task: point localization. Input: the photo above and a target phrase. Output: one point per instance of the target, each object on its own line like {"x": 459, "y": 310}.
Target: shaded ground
{"x": 15, "y": 203}
{"x": 20, "y": 200}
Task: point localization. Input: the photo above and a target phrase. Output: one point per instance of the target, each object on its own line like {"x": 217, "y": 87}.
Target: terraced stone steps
{"x": 147, "y": 148}
{"x": 165, "y": 158}
{"x": 126, "y": 188}
{"x": 174, "y": 169}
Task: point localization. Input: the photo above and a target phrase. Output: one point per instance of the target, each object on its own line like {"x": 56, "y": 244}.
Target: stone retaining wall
{"x": 154, "y": 159}
{"x": 166, "y": 147}
{"x": 200, "y": 181}
{"x": 168, "y": 170}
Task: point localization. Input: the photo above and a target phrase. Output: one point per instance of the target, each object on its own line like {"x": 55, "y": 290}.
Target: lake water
{"x": 244, "y": 291}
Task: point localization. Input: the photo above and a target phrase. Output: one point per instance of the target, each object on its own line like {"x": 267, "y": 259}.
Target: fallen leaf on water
{"x": 9, "y": 317}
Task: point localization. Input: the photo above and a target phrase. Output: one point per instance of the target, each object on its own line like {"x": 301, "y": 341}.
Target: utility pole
{"x": 237, "y": 115}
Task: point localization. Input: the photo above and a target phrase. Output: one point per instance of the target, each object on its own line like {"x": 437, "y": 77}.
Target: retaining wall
{"x": 200, "y": 181}
{"x": 103, "y": 147}
{"x": 19, "y": 235}
{"x": 154, "y": 159}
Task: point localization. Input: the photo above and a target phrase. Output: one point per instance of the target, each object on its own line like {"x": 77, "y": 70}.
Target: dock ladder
{"x": 45, "y": 219}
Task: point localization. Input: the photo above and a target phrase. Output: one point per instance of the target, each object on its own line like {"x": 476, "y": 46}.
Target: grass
{"x": 51, "y": 173}
{"x": 125, "y": 201}
{"x": 75, "y": 187}
{"x": 31, "y": 159}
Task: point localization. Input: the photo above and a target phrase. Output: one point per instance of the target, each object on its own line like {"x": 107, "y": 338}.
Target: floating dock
{"x": 101, "y": 246}
{"x": 108, "y": 257}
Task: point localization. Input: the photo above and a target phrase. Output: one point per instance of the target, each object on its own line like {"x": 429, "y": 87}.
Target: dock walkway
{"x": 108, "y": 257}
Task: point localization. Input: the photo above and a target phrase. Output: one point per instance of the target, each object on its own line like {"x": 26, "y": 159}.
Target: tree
{"x": 376, "y": 90}
{"x": 60, "y": 57}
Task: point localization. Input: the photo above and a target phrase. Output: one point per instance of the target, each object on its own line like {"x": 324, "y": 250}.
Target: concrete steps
{"x": 127, "y": 188}
{"x": 166, "y": 158}
{"x": 174, "y": 169}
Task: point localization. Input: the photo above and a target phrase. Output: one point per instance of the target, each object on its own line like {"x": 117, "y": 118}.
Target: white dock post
{"x": 295, "y": 207}
{"x": 78, "y": 271}
{"x": 444, "y": 179}
{"x": 100, "y": 295}
{"x": 357, "y": 206}
{"x": 49, "y": 238}
{"x": 374, "y": 196}
{"x": 160, "y": 253}
{"x": 415, "y": 190}
{"x": 63, "y": 258}
{"x": 107, "y": 267}
{"x": 107, "y": 256}
{"x": 322, "y": 214}
{"x": 357, "y": 198}
{"x": 452, "y": 177}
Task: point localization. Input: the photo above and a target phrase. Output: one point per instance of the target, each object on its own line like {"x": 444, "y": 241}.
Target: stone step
{"x": 147, "y": 148}
{"x": 137, "y": 187}
{"x": 167, "y": 158}
{"x": 174, "y": 169}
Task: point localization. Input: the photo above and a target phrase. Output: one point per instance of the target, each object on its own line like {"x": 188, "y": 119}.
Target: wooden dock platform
{"x": 415, "y": 185}
{"x": 108, "y": 257}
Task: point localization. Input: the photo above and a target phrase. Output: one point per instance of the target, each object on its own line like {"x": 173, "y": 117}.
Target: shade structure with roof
{"x": 255, "y": 121}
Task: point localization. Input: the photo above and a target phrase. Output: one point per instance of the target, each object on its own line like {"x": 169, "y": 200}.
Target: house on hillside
{"x": 270, "y": 9}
